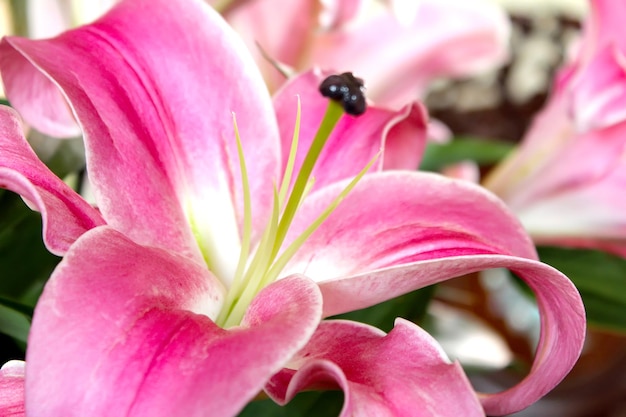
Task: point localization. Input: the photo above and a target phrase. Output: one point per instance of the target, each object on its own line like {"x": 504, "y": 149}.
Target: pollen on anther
{"x": 346, "y": 89}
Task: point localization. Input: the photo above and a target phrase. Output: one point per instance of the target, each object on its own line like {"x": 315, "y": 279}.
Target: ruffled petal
{"x": 159, "y": 131}
{"x": 12, "y": 389}
{"x": 560, "y": 306}
{"x": 397, "y": 232}
{"x": 142, "y": 342}
{"x": 65, "y": 214}
{"x": 404, "y": 373}
{"x": 355, "y": 140}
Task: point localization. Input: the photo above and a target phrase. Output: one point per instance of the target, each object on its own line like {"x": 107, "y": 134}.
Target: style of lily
{"x": 219, "y": 248}
{"x": 565, "y": 181}
{"x": 398, "y": 46}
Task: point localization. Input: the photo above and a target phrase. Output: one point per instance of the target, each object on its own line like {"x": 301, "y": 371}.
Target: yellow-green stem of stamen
{"x": 282, "y": 260}
{"x": 265, "y": 266}
{"x": 284, "y": 186}
{"x": 247, "y": 209}
{"x": 332, "y": 116}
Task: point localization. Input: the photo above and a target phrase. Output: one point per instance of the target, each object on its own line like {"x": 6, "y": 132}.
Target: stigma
{"x": 346, "y": 89}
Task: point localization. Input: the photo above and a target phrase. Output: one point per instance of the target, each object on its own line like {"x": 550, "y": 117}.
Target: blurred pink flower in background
{"x": 398, "y": 47}
{"x": 566, "y": 180}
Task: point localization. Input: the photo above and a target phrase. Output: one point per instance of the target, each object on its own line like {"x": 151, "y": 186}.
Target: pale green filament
{"x": 332, "y": 116}
{"x": 266, "y": 264}
{"x": 284, "y": 186}
{"x": 282, "y": 260}
{"x": 247, "y": 209}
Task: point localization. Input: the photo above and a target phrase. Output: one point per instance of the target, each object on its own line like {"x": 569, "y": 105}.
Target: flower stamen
{"x": 247, "y": 209}
{"x": 265, "y": 266}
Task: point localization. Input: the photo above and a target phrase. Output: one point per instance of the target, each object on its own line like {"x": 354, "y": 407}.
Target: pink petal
{"x": 546, "y": 178}
{"x": 65, "y": 214}
{"x": 142, "y": 342}
{"x": 285, "y": 40}
{"x": 282, "y": 39}
{"x": 560, "y": 306}
{"x": 603, "y": 28}
{"x": 467, "y": 170}
{"x": 397, "y": 232}
{"x": 355, "y": 140}
{"x": 438, "y": 132}
{"x": 159, "y": 131}
{"x": 337, "y": 13}
{"x": 573, "y": 154}
{"x": 12, "y": 389}
{"x": 550, "y": 132}
{"x": 597, "y": 222}
{"x": 397, "y": 61}
{"x": 585, "y": 160}
{"x": 404, "y": 373}
{"x": 585, "y": 96}
{"x": 393, "y": 218}
{"x": 599, "y": 91}
{"x": 405, "y": 140}
{"x": 35, "y": 95}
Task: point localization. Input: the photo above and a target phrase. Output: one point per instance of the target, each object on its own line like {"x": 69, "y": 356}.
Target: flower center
{"x": 258, "y": 270}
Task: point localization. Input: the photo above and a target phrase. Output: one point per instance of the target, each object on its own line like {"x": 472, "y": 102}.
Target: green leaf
{"x": 481, "y": 151}
{"x": 14, "y": 323}
{"x": 62, "y": 156}
{"x": 601, "y": 279}
{"x": 25, "y": 263}
{"x": 26, "y": 310}
{"x": 411, "y": 306}
{"x": 305, "y": 404}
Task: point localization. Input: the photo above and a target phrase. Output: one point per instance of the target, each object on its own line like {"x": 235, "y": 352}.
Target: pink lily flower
{"x": 566, "y": 180}
{"x": 200, "y": 279}
{"x": 398, "y": 48}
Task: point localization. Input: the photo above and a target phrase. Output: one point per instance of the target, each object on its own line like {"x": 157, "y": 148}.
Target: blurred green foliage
{"x": 601, "y": 279}
{"x": 483, "y": 152}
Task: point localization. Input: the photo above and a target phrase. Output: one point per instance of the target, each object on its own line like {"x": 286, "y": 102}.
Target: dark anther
{"x": 347, "y": 89}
